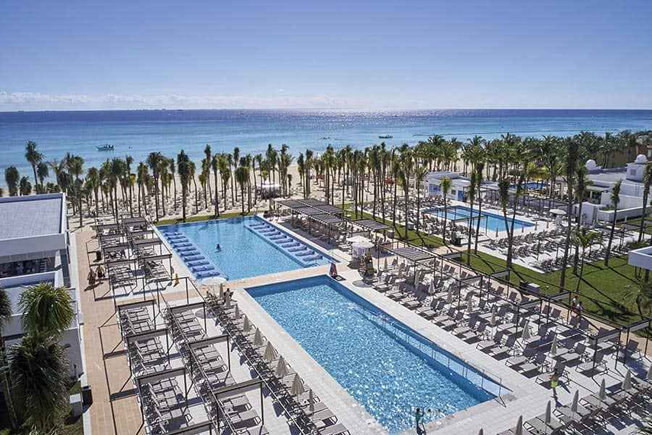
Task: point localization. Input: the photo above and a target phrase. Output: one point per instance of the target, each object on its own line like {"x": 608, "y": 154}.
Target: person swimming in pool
{"x": 218, "y": 248}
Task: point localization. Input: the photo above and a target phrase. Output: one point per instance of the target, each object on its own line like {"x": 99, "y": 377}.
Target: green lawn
{"x": 603, "y": 290}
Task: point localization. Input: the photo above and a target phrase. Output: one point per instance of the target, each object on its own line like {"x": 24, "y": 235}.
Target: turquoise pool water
{"x": 388, "y": 368}
{"x": 244, "y": 252}
{"x": 489, "y": 221}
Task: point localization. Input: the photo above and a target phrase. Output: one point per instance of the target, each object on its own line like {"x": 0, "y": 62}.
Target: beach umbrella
{"x": 431, "y": 290}
{"x": 247, "y": 326}
{"x": 449, "y": 296}
{"x": 469, "y": 304}
{"x": 297, "y": 386}
{"x": 576, "y": 401}
{"x": 385, "y": 264}
{"x": 237, "y": 311}
{"x": 281, "y": 368}
{"x": 553, "y": 347}
{"x": 518, "y": 430}
{"x": 649, "y": 374}
{"x": 221, "y": 291}
{"x": 258, "y": 338}
{"x": 270, "y": 353}
{"x": 481, "y": 432}
{"x": 526, "y": 331}
{"x": 548, "y": 415}
{"x": 493, "y": 316}
{"x": 227, "y": 301}
{"x": 311, "y": 401}
{"x": 627, "y": 383}
{"x": 602, "y": 394}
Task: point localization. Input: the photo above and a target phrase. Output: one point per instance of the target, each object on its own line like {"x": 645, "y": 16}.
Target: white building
{"x": 459, "y": 184}
{"x": 35, "y": 248}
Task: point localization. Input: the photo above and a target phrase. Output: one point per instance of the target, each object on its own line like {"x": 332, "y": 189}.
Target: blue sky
{"x": 338, "y": 54}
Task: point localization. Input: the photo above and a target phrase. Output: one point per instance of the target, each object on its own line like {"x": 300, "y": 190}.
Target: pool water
{"x": 389, "y": 370}
{"x": 243, "y": 253}
{"x": 488, "y": 221}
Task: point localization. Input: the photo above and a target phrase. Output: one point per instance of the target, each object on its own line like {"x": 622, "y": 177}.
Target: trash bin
{"x": 87, "y": 395}
{"x": 98, "y": 255}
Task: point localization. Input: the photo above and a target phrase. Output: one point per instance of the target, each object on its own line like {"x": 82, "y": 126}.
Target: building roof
{"x": 31, "y": 216}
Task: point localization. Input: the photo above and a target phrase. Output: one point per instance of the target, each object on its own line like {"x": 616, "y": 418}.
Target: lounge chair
{"x": 595, "y": 365}
{"x": 336, "y": 429}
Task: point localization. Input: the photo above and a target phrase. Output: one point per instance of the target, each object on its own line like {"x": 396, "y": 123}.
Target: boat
{"x": 106, "y": 147}
{"x": 385, "y": 136}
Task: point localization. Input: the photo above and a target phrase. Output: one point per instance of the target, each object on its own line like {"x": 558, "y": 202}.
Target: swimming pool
{"x": 249, "y": 247}
{"x": 388, "y": 368}
{"x": 489, "y": 221}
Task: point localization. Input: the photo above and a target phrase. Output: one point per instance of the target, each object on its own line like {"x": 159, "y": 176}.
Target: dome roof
{"x": 641, "y": 159}
{"x": 591, "y": 165}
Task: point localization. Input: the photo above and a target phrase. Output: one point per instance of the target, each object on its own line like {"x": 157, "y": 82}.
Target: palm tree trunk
{"x": 477, "y": 227}
{"x": 611, "y": 238}
{"x": 217, "y": 199}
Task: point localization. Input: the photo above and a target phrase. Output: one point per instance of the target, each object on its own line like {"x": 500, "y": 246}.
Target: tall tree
{"x": 584, "y": 238}
{"x": 647, "y": 184}
{"x": 76, "y": 168}
{"x": 42, "y": 172}
{"x": 478, "y": 178}
{"x": 46, "y": 309}
{"x": 12, "y": 177}
{"x": 242, "y": 178}
{"x": 471, "y": 195}
{"x": 34, "y": 158}
{"x": 572, "y": 159}
{"x": 615, "y": 200}
{"x": 445, "y": 185}
{"x": 154, "y": 160}
{"x": 215, "y": 166}
{"x": 183, "y": 166}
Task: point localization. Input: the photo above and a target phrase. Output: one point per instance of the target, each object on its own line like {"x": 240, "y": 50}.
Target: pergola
{"x": 371, "y": 225}
{"x": 413, "y": 254}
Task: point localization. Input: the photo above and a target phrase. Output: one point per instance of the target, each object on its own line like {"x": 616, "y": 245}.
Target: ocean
{"x": 140, "y": 132}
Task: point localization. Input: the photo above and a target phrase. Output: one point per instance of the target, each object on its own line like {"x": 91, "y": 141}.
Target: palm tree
{"x": 141, "y": 180}
{"x": 582, "y": 183}
{"x": 191, "y": 172}
{"x": 419, "y": 175}
{"x": 76, "y": 168}
{"x": 5, "y": 315}
{"x": 478, "y": 178}
{"x": 647, "y": 184}
{"x": 641, "y": 295}
{"x": 39, "y": 377}
{"x": 12, "y": 177}
{"x": 215, "y": 166}
{"x": 615, "y": 200}
{"x": 572, "y": 159}
{"x": 153, "y": 160}
{"x": 471, "y": 194}
{"x": 183, "y": 166}
{"x": 128, "y": 161}
{"x": 46, "y": 309}
{"x": 93, "y": 179}
{"x": 34, "y": 158}
{"x": 503, "y": 190}
{"x": 583, "y": 238}
{"x": 42, "y": 172}
{"x": 445, "y": 185}
{"x": 208, "y": 153}
{"x": 25, "y": 186}
{"x": 242, "y": 177}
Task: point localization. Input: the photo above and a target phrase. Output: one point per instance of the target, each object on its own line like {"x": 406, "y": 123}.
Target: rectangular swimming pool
{"x": 488, "y": 221}
{"x": 249, "y": 247}
{"x": 386, "y": 366}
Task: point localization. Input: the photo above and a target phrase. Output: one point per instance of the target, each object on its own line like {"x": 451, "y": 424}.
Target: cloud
{"x": 42, "y": 101}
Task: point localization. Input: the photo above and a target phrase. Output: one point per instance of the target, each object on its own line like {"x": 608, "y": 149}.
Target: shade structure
{"x": 281, "y": 368}
{"x": 547, "y": 419}
{"x": 297, "y": 386}
{"x": 576, "y": 401}
{"x": 627, "y": 382}
{"x": 237, "y": 311}
{"x": 246, "y": 327}
{"x": 258, "y": 338}
{"x": 270, "y": 352}
{"x": 649, "y": 373}
{"x": 213, "y": 281}
{"x": 413, "y": 254}
{"x": 371, "y": 225}
{"x": 553, "y": 347}
{"x": 602, "y": 394}
{"x": 518, "y": 430}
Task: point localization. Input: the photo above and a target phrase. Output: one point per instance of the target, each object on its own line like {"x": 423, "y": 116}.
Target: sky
{"x": 90, "y": 55}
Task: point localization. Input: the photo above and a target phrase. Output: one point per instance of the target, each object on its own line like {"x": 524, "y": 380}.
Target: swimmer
{"x": 218, "y": 247}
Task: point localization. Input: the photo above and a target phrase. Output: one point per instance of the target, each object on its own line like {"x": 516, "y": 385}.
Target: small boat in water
{"x": 385, "y": 136}
{"x": 106, "y": 147}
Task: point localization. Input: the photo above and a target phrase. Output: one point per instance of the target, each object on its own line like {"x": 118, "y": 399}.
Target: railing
{"x": 430, "y": 350}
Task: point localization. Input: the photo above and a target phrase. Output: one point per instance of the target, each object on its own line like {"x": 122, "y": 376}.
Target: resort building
{"x": 602, "y": 183}
{"x": 459, "y": 184}
{"x": 35, "y": 248}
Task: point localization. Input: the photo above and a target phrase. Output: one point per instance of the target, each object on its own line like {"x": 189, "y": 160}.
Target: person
{"x": 580, "y": 309}
{"x": 218, "y": 247}
{"x": 333, "y": 271}
{"x": 573, "y": 306}
{"x": 100, "y": 272}
{"x": 554, "y": 381}
{"x": 419, "y": 420}
{"x": 91, "y": 278}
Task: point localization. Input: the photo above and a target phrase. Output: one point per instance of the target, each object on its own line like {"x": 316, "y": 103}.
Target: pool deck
{"x": 115, "y": 409}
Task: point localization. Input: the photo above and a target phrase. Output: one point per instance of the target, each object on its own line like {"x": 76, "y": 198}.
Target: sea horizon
{"x": 139, "y": 132}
